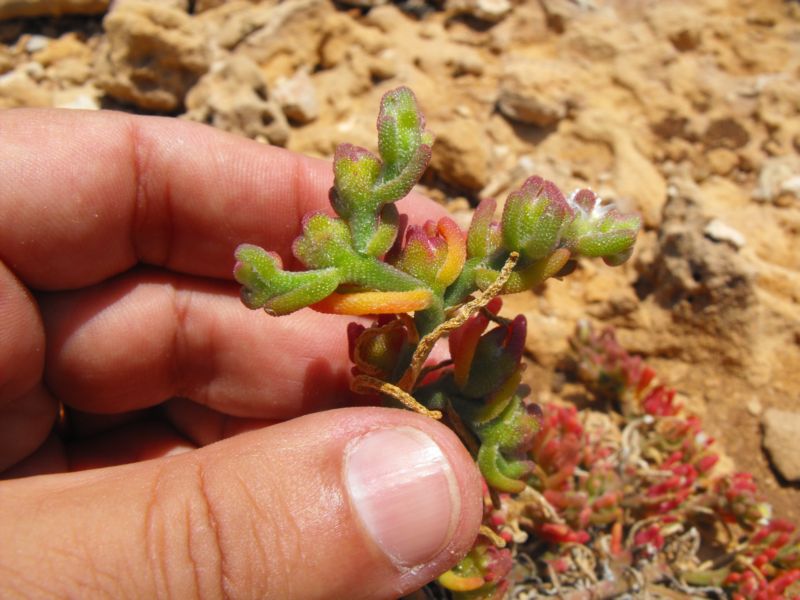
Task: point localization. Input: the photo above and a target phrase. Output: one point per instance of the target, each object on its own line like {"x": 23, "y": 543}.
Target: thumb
{"x": 352, "y": 503}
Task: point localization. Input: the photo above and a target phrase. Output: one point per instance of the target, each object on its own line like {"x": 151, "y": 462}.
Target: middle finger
{"x": 140, "y": 338}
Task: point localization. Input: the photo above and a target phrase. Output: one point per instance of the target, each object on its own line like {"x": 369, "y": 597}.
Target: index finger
{"x": 88, "y": 195}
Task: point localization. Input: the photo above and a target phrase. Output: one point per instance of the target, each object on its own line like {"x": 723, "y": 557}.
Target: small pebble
{"x": 754, "y": 407}
{"x": 720, "y": 231}
{"x": 36, "y": 43}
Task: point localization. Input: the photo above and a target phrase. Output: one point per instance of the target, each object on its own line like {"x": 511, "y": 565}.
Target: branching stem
{"x": 423, "y": 350}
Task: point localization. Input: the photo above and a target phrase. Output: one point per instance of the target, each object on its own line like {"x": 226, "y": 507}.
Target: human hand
{"x": 116, "y": 301}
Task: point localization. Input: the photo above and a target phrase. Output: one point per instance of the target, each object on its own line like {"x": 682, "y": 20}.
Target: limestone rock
{"x": 560, "y": 13}
{"x": 154, "y": 54}
{"x": 269, "y": 34}
{"x": 719, "y": 231}
{"x": 461, "y": 155}
{"x": 536, "y": 92}
{"x": 681, "y": 23}
{"x": 14, "y": 9}
{"x": 66, "y": 60}
{"x": 233, "y": 96}
{"x": 491, "y": 11}
{"x": 634, "y": 176}
{"x": 18, "y": 88}
{"x": 778, "y": 180}
{"x": 709, "y": 288}
{"x": 782, "y": 442}
{"x": 297, "y": 97}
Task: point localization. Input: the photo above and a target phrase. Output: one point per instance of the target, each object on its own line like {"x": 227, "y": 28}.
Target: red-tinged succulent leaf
{"x": 434, "y": 253}
{"x": 484, "y": 236}
{"x": 456, "y": 252}
{"x": 496, "y": 357}
{"x": 354, "y": 330}
{"x": 463, "y": 342}
{"x": 355, "y": 171}
{"x": 378, "y": 350}
{"x": 365, "y": 185}
{"x": 401, "y": 132}
{"x": 584, "y": 199}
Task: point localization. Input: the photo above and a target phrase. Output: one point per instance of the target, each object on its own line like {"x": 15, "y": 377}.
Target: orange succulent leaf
{"x": 375, "y": 303}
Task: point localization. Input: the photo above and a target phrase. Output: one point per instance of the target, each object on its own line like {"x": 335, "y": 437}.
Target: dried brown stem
{"x": 364, "y": 383}
{"x": 423, "y": 350}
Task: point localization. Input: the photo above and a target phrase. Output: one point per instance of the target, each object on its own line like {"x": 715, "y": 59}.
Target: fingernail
{"x": 404, "y": 491}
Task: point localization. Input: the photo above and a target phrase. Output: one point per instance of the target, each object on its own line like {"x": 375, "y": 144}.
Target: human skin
{"x": 116, "y": 301}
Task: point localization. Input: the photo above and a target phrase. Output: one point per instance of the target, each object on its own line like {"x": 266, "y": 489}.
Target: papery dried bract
{"x": 600, "y": 230}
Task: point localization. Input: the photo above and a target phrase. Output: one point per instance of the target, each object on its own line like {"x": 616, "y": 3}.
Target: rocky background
{"x": 686, "y": 111}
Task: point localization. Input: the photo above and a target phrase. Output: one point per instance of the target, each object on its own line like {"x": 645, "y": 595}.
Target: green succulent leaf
{"x": 364, "y": 184}
{"x": 355, "y": 171}
{"x": 534, "y": 217}
{"x": 600, "y": 230}
{"x": 401, "y": 132}
{"x": 484, "y": 236}
{"x": 266, "y": 285}
{"x": 325, "y": 242}
{"x": 501, "y": 439}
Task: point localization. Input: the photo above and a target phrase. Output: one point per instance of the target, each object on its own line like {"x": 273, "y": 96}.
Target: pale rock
{"x": 491, "y": 11}
{"x": 77, "y": 99}
{"x": 15, "y": 9}
{"x": 70, "y": 71}
{"x": 233, "y": 96}
{"x": 67, "y": 46}
{"x": 681, "y": 23}
{"x": 153, "y": 55}
{"x": 270, "y": 33}
{"x": 66, "y": 60}
{"x": 297, "y": 97}
{"x": 754, "y": 407}
{"x": 36, "y": 43}
{"x": 561, "y": 13}
{"x": 719, "y": 231}
{"x": 536, "y": 92}
{"x": 778, "y": 180}
{"x": 18, "y": 89}
{"x": 782, "y": 442}
{"x": 33, "y": 70}
{"x": 461, "y": 154}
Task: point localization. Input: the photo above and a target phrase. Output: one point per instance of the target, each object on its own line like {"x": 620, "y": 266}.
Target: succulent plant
{"x": 593, "y": 508}
{"x": 424, "y": 282}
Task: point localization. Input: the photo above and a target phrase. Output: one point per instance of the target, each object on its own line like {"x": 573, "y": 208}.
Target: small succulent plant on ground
{"x": 561, "y": 515}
